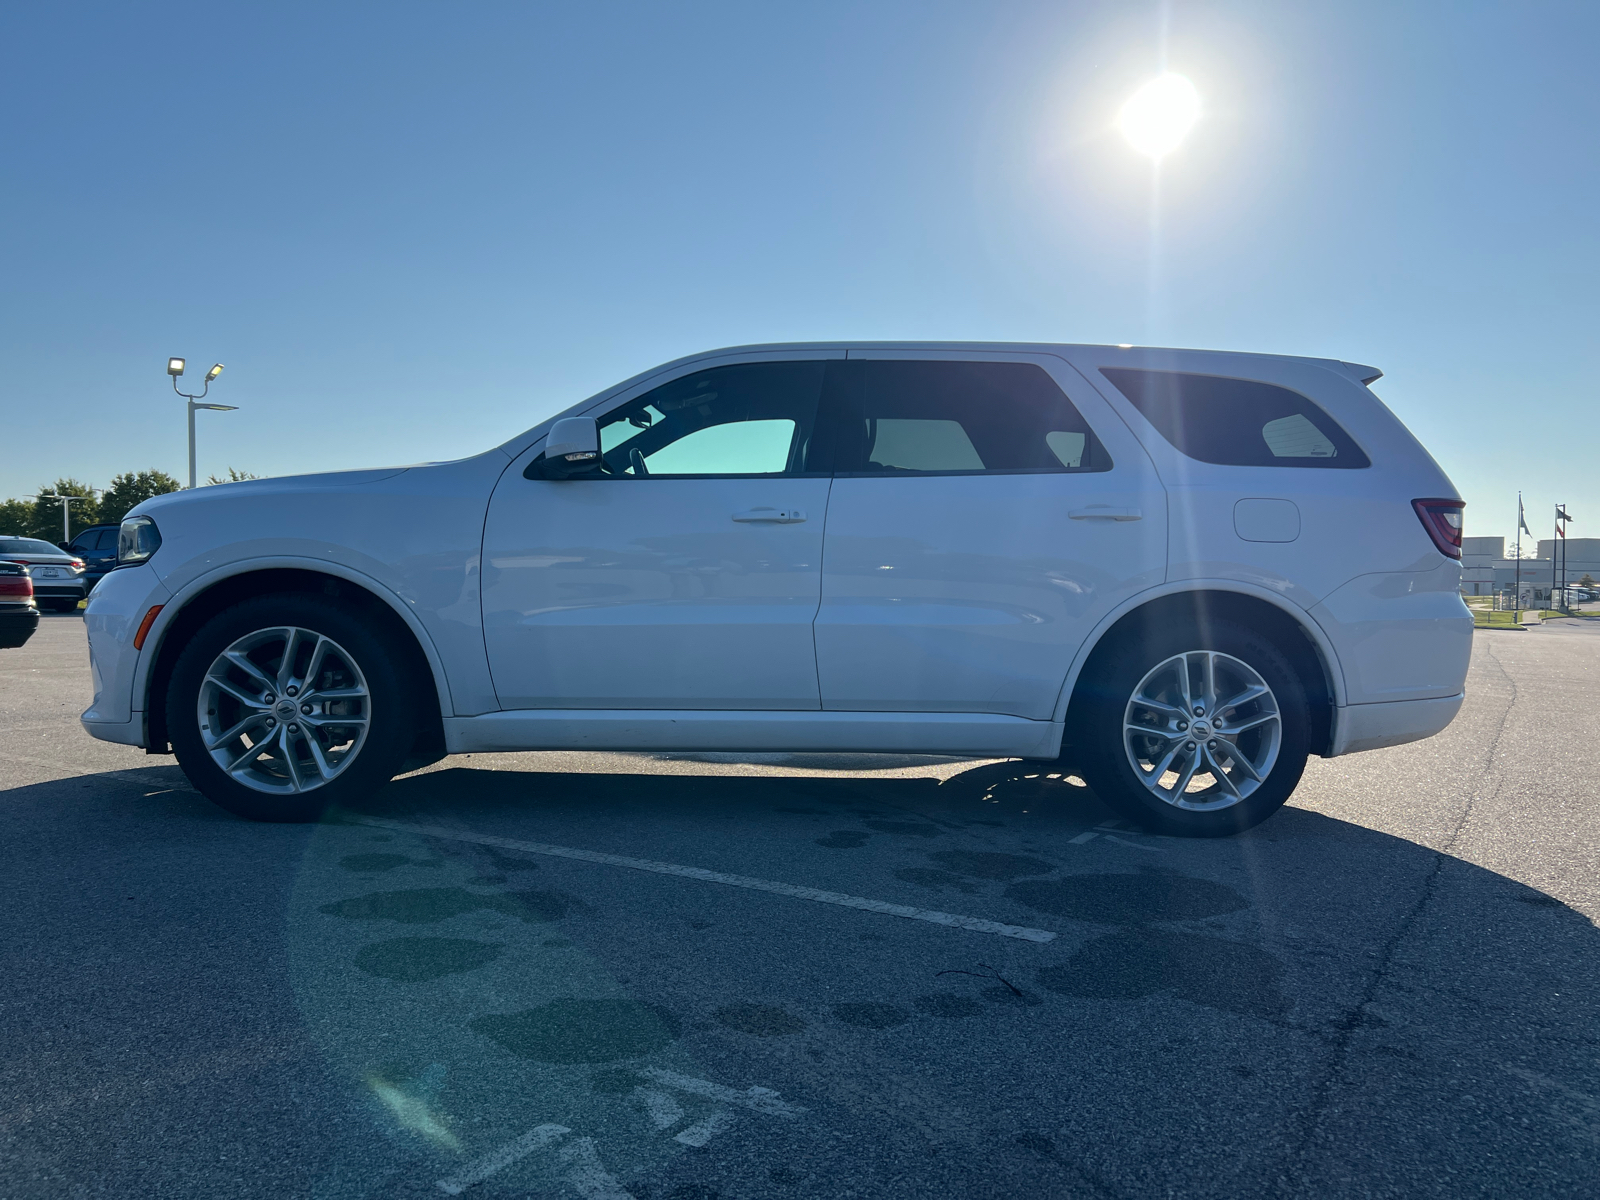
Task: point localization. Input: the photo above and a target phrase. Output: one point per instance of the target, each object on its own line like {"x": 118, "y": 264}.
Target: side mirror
{"x": 66, "y": 547}
{"x": 572, "y": 447}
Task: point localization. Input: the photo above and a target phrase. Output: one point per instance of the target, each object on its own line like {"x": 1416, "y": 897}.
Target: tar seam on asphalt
{"x": 993, "y": 974}
{"x": 1346, "y": 1028}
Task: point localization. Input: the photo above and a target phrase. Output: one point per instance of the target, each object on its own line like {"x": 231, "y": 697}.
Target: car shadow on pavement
{"x": 1441, "y": 1015}
{"x": 1313, "y": 1007}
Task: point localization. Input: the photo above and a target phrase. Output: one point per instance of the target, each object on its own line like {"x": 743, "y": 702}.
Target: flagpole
{"x": 1517, "y": 586}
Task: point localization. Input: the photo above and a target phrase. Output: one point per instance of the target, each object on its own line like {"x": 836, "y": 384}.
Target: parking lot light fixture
{"x": 174, "y": 369}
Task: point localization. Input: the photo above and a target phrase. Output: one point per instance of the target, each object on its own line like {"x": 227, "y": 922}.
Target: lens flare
{"x": 1160, "y": 114}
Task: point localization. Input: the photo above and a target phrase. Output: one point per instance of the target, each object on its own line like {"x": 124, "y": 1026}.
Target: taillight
{"x": 78, "y": 562}
{"x": 16, "y": 586}
{"x": 1442, "y": 520}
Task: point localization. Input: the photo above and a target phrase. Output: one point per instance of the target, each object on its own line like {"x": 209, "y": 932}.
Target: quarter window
{"x": 909, "y": 417}
{"x": 1237, "y": 422}
{"x": 747, "y": 419}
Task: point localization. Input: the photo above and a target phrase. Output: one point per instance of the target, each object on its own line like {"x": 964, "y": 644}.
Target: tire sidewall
{"x": 1113, "y": 777}
{"x": 390, "y": 719}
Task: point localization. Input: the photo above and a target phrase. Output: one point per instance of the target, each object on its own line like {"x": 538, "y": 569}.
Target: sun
{"x": 1160, "y": 114}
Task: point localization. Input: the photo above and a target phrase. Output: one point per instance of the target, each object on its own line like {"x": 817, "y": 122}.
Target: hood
{"x": 277, "y": 486}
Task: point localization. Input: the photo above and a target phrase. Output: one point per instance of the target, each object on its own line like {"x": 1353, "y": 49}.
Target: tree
{"x": 132, "y": 488}
{"x": 16, "y": 518}
{"x": 46, "y": 515}
{"x": 1585, "y": 582}
{"x": 233, "y": 477}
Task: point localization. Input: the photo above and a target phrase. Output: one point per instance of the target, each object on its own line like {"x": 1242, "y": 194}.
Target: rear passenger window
{"x": 960, "y": 418}
{"x": 1237, "y": 422}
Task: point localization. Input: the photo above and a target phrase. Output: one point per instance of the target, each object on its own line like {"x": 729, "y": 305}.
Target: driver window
{"x": 747, "y": 419}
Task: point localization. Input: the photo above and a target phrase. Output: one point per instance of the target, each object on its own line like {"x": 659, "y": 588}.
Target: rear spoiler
{"x": 1367, "y": 375}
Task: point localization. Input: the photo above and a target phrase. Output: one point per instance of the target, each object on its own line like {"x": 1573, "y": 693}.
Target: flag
{"x": 1522, "y": 522}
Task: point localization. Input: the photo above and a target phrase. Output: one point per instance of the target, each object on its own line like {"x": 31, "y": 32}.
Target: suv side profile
{"x": 1175, "y": 572}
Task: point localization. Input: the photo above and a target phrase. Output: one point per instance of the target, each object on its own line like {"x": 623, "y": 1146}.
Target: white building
{"x": 1485, "y": 569}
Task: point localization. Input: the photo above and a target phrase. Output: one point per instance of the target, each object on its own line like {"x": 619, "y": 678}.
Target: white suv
{"x": 1178, "y": 572}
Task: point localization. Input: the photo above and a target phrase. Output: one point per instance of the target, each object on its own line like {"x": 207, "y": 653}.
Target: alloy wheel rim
{"x": 1202, "y": 730}
{"x": 284, "y": 710}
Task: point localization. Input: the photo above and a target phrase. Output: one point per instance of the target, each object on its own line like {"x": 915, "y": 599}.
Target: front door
{"x": 686, "y": 575}
{"x": 981, "y": 524}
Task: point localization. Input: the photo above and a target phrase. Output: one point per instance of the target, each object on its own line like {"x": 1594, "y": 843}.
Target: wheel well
{"x": 1200, "y": 609}
{"x": 428, "y": 744}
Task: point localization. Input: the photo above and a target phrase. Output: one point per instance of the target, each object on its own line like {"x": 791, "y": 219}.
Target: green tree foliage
{"x": 45, "y": 522}
{"x": 131, "y": 488}
{"x": 16, "y": 518}
{"x": 233, "y": 476}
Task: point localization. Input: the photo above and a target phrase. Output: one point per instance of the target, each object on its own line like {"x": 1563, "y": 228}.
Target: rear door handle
{"x": 772, "y": 516}
{"x": 1102, "y": 512}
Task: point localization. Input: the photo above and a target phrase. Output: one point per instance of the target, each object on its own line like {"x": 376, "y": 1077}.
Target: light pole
{"x": 175, "y": 369}
{"x": 66, "y": 501}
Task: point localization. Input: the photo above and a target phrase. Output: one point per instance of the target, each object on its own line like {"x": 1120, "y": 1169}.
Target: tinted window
{"x": 1237, "y": 422}
{"x": 946, "y": 417}
{"x": 749, "y": 419}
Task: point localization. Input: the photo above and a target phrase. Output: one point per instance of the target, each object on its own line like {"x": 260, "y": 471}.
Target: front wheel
{"x": 282, "y": 706}
{"x": 1197, "y": 734}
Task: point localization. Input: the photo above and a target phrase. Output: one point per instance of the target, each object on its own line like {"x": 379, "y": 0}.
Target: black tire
{"x": 1107, "y": 761}
{"x": 390, "y": 720}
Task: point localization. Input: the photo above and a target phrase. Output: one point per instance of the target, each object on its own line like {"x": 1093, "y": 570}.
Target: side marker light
{"x": 144, "y": 627}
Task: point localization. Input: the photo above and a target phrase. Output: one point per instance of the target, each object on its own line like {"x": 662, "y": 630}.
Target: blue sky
{"x": 412, "y": 230}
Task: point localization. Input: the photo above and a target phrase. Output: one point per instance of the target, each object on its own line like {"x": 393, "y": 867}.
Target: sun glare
{"x": 1160, "y": 114}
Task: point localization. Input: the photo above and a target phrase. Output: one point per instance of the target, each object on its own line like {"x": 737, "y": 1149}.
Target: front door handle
{"x": 772, "y": 516}
{"x": 1102, "y": 512}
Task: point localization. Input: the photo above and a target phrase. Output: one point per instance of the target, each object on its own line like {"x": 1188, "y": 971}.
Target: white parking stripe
{"x": 759, "y": 1099}
{"x": 973, "y": 924}
{"x": 498, "y": 1160}
{"x": 588, "y": 1176}
{"x": 663, "y": 1110}
{"x": 702, "y": 1132}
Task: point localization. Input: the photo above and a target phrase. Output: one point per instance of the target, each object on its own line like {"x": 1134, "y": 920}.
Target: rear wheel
{"x": 1197, "y": 734}
{"x": 282, "y": 706}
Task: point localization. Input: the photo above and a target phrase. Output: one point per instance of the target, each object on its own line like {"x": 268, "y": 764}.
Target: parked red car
{"x": 19, "y": 616}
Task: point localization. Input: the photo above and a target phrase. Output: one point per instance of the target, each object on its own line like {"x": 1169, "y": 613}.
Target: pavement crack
{"x": 1291, "y": 1178}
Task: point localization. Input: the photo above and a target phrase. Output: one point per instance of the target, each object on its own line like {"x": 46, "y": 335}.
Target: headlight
{"x": 137, "y": 540}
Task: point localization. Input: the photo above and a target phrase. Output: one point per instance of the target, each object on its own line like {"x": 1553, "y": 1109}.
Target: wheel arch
{"x": 203, "y": 598}
{"x": 1198, "y": 602}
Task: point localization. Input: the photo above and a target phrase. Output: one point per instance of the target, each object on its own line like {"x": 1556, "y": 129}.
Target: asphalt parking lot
{"x": 687, "y": 978}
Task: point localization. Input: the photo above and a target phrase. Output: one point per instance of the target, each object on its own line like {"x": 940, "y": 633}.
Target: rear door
{"x": 987, "y": 511}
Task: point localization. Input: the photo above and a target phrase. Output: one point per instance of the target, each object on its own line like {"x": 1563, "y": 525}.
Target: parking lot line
{"x": 973, "y": 924}
{"x": 477, "y": 1172}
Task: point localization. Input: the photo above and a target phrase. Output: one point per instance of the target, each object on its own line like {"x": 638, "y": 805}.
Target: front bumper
{"x": 111, "y": 619}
